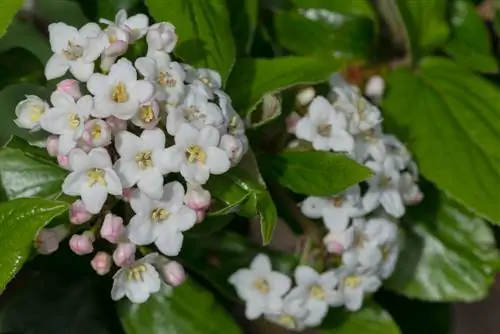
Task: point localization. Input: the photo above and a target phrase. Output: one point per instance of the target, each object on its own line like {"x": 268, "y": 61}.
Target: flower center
{"x": 233, "y": 124}
{"x": 317, "y": 292}
{"x": 119, "y": 94}
{"x": 261, "y": 285}
{"x": 135, "y": 273}
{"x": 74, "y": 120}
{"x": 195, "y": 153}
{"x": 73, "y": 51}
{"x": 144, "y": 159}
{"x": 159, "y": 214}
{"x": 370, "y": 136}
{"x": 337, "y": 201}
{"x": 36, "y": 113}
{"x": 324, "y": 129}
{"x": 96, "y": 132}
{"x": 359, "y": 239}
{"x": 165, "y": 79}
{"x": 146, "y": 114}
{"x": 288, "y": 321}
{"x": 386, "y": 250}
{"x": 352, "y": 281}
{"x": 384, "y": 181}
{"x": 112, "y": 38}
{"x": 206, "y": 81}
{"x": 96, "y": 176}
{"x": 191, "y": 113}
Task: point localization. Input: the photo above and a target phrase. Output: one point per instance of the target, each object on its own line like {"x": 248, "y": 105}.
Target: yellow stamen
{"x": 166, "y": 79}
{"x": 287, "y": 321}
{"x": 261, "y": 285}
{"x": 317, "y": 292}
{"x": 324, "y": 129}
{"x": 36, "y": 113}
{"x": 352, "y": 281}
{"x": 196, "y": 153}
{"x": 159, "y": 214}
{"x": 74, "y": 120}
{"x": 96, "y": 132}
{"x": 337, "y": 201}
{"x": 135, "y": 273}
{"x": 146, "y": 114}
{"x": 190, "y": 113}
{"x": 112, "y": 38}
{"x": 144, "y": 159}
{"x": 120, "y": 93}
{"x": 206, "y": 81}
{"x": 359, "y": 239}
{"x": 73, "y": 51}
{"x": 96, "y": 176}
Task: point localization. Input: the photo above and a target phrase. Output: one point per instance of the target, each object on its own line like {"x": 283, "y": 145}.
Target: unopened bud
{"x": 78, "y": 213}
{"x": 234, "y": 147}
{"x": 63, "y": 161}
{"x": 124, "y": 254}
{"x": 82, "y": 244}
{"x": 52, "y": 145}
{"x": 305, "y": 96}
{"x": 127, "y": 194}
{"x": 291, "y": 122}
{"x": 200, "y": 215}
{"x": 161, "y": 37}
{"x": 70, "y": 87}
{"x": 197, "y": 198}
{"x": 101, "y": 263}
{"x": 48, "y": 239}
{"x": 375, "y": 88}
{"x": 333, "y": 244}
{"x": 96, "y": 133}
{"x": 116, "y": 124}
{"x": 174, "y": 273}
{"x": 112, "y": 228}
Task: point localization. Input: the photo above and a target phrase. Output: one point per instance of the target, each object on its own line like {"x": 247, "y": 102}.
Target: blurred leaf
{"x": 252, "y": 78}
{"x": 243, "y": 15}
{"x": 448, "y": 255}
{"x": 27, "y": 171}
{"x": 362, "y": 8}
{"x": 8, "y": 9}
{"x": 450, "y": 118}
{"x": 210, "y": 225}
{"x": 66, "y": 11}
{"x": 24, "y": 35}
{"x": 470, "y": 43}
{"x": 30, "y": 71}
{"x": 107, "y": 9}
{"x": 20, "y": 221}
{"x": 190, "y": 309}
{"x": 314, "y": 173}
{"x": 205, "y": 38}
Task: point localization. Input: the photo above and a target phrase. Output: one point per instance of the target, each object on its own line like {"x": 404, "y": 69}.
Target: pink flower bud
{"x": 124, "y": 254}
{"x": 78, "y": 213}
{"x": 96, "y": 133}
{"x": 70, "y": 87}
{"x": 234, "y": 147}
{"x": 197, "y": 198}
{"x": 52, "y": 145}
{"x": 116, "y": 124}
{"x": 82, "y": 244}
{"x": 200, "y": 215}
{"x": 127, "y": 194}
{"x": 48, "y": 239}
{"x": 101, "y": 263}
{"x": 174, "y": 273}
{"x": 161, "y": 36}
{"x": 291, "y": 122}
{"x": 63, "y": 161}
{"x": 332, "y": 244}
{"x": 112, "y": 228}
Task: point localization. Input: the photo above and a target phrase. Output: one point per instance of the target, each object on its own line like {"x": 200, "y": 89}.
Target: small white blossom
{"x": 196, "y": 155}
{"x": 137, "y": 281}
{"x": 143, "y": 161}
{"x": 260, "y": 287}
{"x": 161, "y": 221}
{"x": 375, "y": 88}
{"x": 92, "y": 177}
{"x": 233, "y": 122}
{"x": 119, "y": 93}
{"x": 313, "y": 206}
{"x": 409, "y": 189}
{"x": 148, "y": 115}
{"x": 205, "y": 81}
{"x": 324, "y": 127}
{"x": 341, "y": 208}
{"x": 73, "y": 49}
{"x": 29, "y": 112}
{"x": 161, "y": 37}
{"x": 369, "y": 144}
{"x": 137, "y": 25}
{"x": 293, "y": 315}
{"x": 67, "y": 119}
{"x": 96, "y": 133}
{"x": 396, "y": 151}
{"x": 354, "y": 284}
{"x": 235, "y": 147}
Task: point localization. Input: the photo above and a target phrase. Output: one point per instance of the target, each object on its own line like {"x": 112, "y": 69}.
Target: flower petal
{"x": 261, "y": 264}
{"x": 113, "y": 182}
{"x": 209, "y": 136}
{"x": 99, "y": 158}
{"x": 141, "y": 230}
{"x": 78, "y": 160}
{"x": 186, "y": 135}
{"x": 306, "y": 276}
{"x": 170, "y": 243}
{"x": 127, "y": 171}
{"x": 94, "y": 197}
{"x": 217, "y": 160}
{"x": 173, "y": 196}
{"x": 98, "y": 84}
{"x": 123, "y": 71}
{"x": 73, "y": 183}
{"x": 173, "y": 158}
{"x": 142, "y": 91}
{"x": 81, "y": 70}
{"x": 147, "y": 67}
{"x": 183, "y": 219}
{"x": 127, "y": 144}
{"x": 280, "y": 283}
{"x": 153, "y": 139}
{"x": 151, "y": 183}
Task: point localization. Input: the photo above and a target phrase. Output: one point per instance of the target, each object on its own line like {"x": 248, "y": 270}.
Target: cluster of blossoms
{"x": 122, "y": 136}
{"x": 361, "y": 238}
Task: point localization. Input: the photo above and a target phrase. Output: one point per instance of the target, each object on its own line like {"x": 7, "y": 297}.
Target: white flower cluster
{"x": 362, "y": 231}
{"x": 136, "y": 122}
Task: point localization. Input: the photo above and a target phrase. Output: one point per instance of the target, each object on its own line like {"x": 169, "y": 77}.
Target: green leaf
{"x": 107, "y": 9}
{"x": 252, "y": 78}
{"x": 205, "y": 38}
{"x": 67, "y": 11}
{"x": 426, "y": 24}
{"x": 448, "y": 255}
{"x": 25, "y": 35}
{"x": 370, "y": 319}
{"x": 450, "y": 119}
{"x": 30, "y": 71}
{"x": 470, "y": 43}
{"x": 190, "y": 309}
{"x": 314, "y": 173}
{"x": 27, "y": 171}
{"x": 243, "y": 15}
{"x": 362, "y": 8}
{"x": 20, "y": 221}
{"x": 8, "y": 9}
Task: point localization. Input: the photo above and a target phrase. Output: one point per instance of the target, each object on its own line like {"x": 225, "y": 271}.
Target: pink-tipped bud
{"x": 63, "y": 161}
{"x": 174, "y": 273}
{"x": 71, "y": 87}
{"x": 234, "y": 147}
{"x": 291, "y": 122}
{"x": 78, "y": 213}
{"x": 96, "y": 133}
{"x": 124, "y": 254}
{"x": 333, "y": 244}
{"x": 112, "y": 228}
{"x": 116, "y": 124}
{"x": 52, "y": 145}
{"x": 127, "y": 194}
{"x": 101, "y": 263}
{"x": 82, "y": 244}
{"x": 48, "y": 239}
{"x": 197, "y": 198}
{"x": 200, "y": 215}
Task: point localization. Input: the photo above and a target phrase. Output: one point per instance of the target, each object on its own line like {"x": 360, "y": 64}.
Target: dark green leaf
{"x": 251, "y": 78}
{"x": 27, "y": 171}
{"x": 205, "y": 38}
{"x": 451, "y": 120}
{"x": 448, "y": 254}
{"x": 25, "y": 35}
{"x": 362, "y": 8}
{"x": 314, "y": 173}
{"x": 470, "y": 43}
{"x": 20, "y": 221}
{"x": 108, "y": 8}
{"x": 8, "y": 9}
{"x": 243, "y": 16}
{"x": 67, "y": 11}
{"x": 190, "y": 309}
{"x": 30, "y": 71}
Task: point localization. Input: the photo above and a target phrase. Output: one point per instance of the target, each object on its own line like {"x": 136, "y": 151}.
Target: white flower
{"x": 119, "y": 93}
{"x": 324, "y": 127}
{"x": 67, "y": 118}
{"x": 313, "y": 206}
{"x": 137, "y": 281}
{"x": 390, "y": 254}
{"x": 293, "y": 315}
{"x": 354, "y": 284}
{"x": 196, "y": 155}
{"x": 375, "y": 88}
{"x": 143, "y": 161}
{"x": 369, "y": 144}
{"x": 73, "y": 49}
{"x": 161, "y": 221}
{"x": 161, "y": 37}
{"x": 137, "y": 25}
{"x": 97, "y": 133}
{"x": 30, "y": 111}
{"x": 92, "y": 177}
{"x": 235, "y": 147}
{"x": 317, "y": 290}
{"x": 384, "y": 189}
{"x": 341, "y": 208}
{"x": 148, "y": 115}
{"x": 234, "y": 123}
{"x": 396, "y": 151}
{"x": 168, "y": 77}
{"x": 409, "y": 189}
{"x": 205, "y": 81}
{"x": 260, "y": 287}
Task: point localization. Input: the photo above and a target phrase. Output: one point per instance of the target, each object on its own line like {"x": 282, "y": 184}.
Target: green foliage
{"x": 8, "y": 8}
{"x": 109, "y": 8}
{"x": 20, "y": 221}
{"x": 188, "y": 309}
{"x": 243, "y": 23}
{"x": 25, "y": 35}
{"x": 67, "y": 11}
